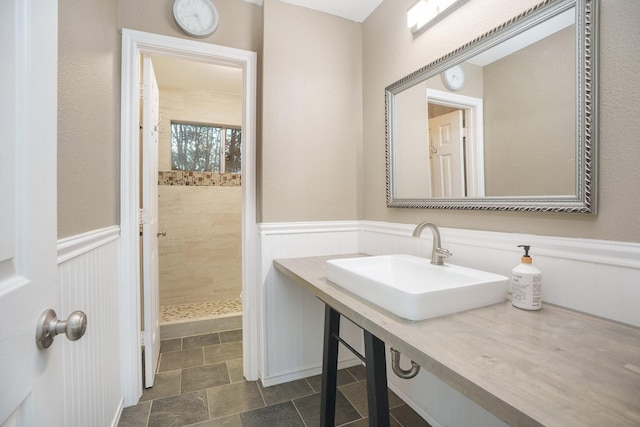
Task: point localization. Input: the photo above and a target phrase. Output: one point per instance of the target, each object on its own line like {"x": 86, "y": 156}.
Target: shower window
{"x": 205, "y": 148}
{"x": 233, "y": 150}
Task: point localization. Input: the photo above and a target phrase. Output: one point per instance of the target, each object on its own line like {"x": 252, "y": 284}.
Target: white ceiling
{"x": 526, "y": 38}
{"x": 355, "y": 10}
{"x": 184, "y": 74}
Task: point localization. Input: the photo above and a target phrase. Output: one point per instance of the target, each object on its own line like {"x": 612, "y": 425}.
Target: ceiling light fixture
{"x": 426, "y": 13}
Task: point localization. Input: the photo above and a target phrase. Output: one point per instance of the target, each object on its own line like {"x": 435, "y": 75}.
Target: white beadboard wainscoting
{"x": 598, "y": 277}
{"x": 88, "y": 276}
{"x": 593, "y": 276}
{"x": 292, "y": 318}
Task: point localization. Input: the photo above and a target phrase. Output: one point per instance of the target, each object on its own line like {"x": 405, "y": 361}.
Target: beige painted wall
{"x": 240, "y": 21}
{"x": 532, "y": 86}
{"x": 390, "y": 52}
{"x": 312, "y": 115}
{"x": 89, "y": 95}
{"x": 88, "y": 116}
{"x": 412, "y": 144}
{"x": 316, "y": 161}
{"x": 412, "y": 132}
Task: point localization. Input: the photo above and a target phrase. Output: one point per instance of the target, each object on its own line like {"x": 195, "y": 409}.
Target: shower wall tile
{"x": 201, "y": 255}
{"x": 197, "y": 178}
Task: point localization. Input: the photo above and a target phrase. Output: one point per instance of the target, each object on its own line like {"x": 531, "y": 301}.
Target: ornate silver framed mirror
{"x": 506, "y": 122}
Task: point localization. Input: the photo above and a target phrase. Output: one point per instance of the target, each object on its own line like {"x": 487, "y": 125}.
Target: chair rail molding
{"x": 74, "y": 246}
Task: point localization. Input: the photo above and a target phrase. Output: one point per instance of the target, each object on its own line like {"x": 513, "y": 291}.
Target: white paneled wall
{"x": 293, "y": 319}
{"x": 88, "y": 274}
{"x": 598, "y": 277}
{"x": 594, "y": 276}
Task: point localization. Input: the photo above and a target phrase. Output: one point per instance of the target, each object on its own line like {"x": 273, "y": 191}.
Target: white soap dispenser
{"x": 526, "y": 284}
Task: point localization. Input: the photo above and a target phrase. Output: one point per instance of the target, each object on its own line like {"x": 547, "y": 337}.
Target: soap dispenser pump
{"x": 526, "y": 283}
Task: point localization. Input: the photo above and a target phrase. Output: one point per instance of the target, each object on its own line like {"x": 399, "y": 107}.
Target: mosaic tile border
{"x": 196, "y": 178}
{"x": 202, "y": 310}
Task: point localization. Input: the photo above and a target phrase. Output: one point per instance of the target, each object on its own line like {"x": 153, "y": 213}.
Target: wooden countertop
{"x": 553, "y": 367}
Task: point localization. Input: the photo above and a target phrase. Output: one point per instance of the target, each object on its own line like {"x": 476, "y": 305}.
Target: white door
{"x": 150, "y": 115}
{"x": 31, "y": 388}
{"x": 447, "y": 161}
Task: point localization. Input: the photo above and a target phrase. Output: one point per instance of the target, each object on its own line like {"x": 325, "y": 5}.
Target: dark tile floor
{"x": 200, "y": 383}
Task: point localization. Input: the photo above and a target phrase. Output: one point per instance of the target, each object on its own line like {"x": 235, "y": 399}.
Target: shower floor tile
{"x": 203, "y": 310}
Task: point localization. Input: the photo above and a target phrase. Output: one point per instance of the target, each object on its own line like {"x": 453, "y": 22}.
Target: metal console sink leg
{"x": 376, "y": 369}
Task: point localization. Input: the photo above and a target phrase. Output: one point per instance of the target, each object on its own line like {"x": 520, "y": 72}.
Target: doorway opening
{"x": 199, "y": 189}
{"x": 135, "y": 46}
{"x": 446, "y": 108}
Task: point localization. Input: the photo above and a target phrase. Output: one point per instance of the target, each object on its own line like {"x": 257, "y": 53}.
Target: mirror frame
{"x": 584, "y": 201}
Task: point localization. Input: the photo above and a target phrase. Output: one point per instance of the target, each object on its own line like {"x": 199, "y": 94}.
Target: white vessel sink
{"x": 413, "y": 288}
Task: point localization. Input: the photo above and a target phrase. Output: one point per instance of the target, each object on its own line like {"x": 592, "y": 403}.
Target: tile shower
{"x": 200, "y": 257}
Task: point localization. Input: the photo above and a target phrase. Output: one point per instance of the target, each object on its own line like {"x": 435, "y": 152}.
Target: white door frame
{"x": 134, "y": 45}
{"x": 474, "y": 146}
{"x": 446, "y": 155}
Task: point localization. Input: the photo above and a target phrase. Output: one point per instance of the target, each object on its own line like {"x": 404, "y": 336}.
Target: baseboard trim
{"x": 413, "y": 405}
{"x": 116, "y": 419}
{"x": 306, "y": 373}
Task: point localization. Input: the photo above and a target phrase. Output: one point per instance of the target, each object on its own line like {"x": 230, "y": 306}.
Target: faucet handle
{"x": 444, "y": 253}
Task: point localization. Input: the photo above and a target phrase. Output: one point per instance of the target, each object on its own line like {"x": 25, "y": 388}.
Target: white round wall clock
{"x": 453, "y": 78}
{"x": 197, "y": 18}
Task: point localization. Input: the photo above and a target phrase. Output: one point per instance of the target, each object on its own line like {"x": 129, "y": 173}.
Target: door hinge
{"x": 143, "y": 216}
{"x": 465, "y": 132}
{"x": 142, "y": 342}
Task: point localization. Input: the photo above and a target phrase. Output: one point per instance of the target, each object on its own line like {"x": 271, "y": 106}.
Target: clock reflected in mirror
{"x": 197, "y": 18}
{"x": 453, "y": 78}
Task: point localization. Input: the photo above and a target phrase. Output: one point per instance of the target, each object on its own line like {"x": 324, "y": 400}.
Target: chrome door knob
{"x": 162, "y": 233}
{"x": 49, "y": 326}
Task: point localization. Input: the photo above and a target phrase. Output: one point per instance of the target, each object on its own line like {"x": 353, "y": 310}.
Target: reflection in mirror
{"x": 530, "y": 113}
{"x": 508, "y": 128}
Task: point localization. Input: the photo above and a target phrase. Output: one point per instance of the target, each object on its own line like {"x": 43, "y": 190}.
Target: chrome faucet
{"x": 437, "y": 253}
